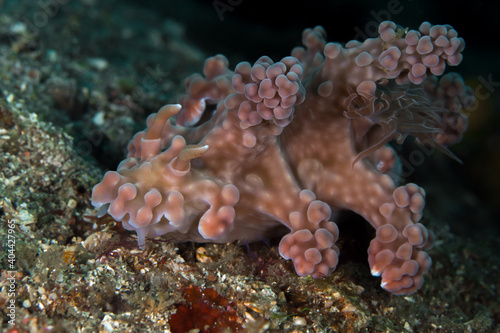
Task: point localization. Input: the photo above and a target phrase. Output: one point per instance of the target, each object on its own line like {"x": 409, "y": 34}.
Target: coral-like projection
{"x": 287, "y": 143}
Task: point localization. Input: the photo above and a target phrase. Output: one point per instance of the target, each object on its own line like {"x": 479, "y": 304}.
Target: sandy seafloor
{"x": 77, "y": 80}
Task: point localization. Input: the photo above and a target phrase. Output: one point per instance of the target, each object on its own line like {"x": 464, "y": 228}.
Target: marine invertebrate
{"x": 209, "y": 312}
{"x": 290, "y": 141}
